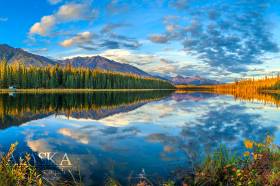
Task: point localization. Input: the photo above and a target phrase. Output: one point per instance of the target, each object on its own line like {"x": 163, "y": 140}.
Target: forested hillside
{"x": 25, "y": 77}
{"x": 252, "y": 84}
{"x": 15, "y": 55}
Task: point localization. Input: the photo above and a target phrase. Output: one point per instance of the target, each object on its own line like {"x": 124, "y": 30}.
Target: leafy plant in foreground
{"x": 18, "y": 174}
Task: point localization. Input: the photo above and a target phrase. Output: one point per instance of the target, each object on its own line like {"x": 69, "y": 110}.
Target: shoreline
{"x": 195, "y": 89}
{"x": 75, "y": 90}
{"x": 270, "y": 91}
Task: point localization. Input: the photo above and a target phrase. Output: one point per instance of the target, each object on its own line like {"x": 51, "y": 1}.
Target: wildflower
{"x": 259, "y": 145}
{"x": 227, "y": 166}
{"x": 246, "y": 154}
{"x": 248, "y": 144}
{"x": 257, "y": 156}
{"x": 238, "y": 173}
{"x": 268, "y": 140}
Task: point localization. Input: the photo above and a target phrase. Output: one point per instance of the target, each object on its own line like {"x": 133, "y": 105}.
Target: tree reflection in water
{"x": 118, "y": 134}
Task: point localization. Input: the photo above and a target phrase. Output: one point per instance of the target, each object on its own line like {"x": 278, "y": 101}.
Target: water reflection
{"x": 20, "y": 108}
{"x": 161, "y": 132}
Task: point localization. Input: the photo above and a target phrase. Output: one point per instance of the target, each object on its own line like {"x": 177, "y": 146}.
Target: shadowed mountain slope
{"x": 99, "y": 62}
{"x": 15, "y": 55}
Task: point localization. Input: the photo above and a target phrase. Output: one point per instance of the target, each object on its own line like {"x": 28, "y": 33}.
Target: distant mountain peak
{"x": 100, "y": 62}
{"x": 15, "y": 55}
{"x": 5, "y": 45}
{"x": 194, "y": 80}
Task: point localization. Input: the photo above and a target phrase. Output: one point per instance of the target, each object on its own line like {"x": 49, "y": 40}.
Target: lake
{"x": 128, "y": 135}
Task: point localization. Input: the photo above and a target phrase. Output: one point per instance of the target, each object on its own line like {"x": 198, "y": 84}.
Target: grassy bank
{"x": 259, "y": 165}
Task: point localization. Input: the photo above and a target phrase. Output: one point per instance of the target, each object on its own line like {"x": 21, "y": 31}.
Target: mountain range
{"x": 194, "y": 80}
{"x": 99, "y": 62}
{"x": 13, "y": 55}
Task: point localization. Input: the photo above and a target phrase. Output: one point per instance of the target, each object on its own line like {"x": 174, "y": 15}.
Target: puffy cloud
{"x": 39, "y": 50}
{"x": 127, "y": 56}
{"x": 72, "y": 12}
{"x": 39, "y": 145}
{"x": 230, "y": 40}
{"x": 164, "y": 67}
{"x": 159, "y": 38}
{"x": 102, "y": 41}
{"x": 110, "y": 27}
{"x": 112, "y": 43}
{"x": 78, "y": 136}
{"x": 171, "y": 27}
{"x": 44, "y": 26}
{"x": 149, "y": 63}
{"x": 81, "y": 38}
{"x": 66, "y": 13}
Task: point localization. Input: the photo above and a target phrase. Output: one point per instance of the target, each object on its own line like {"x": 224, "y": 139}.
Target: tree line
{"x": 265, "y": 83}
{"x": 50, "y": 77}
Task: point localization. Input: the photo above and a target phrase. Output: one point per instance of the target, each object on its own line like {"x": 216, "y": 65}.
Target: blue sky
{"x": 222, "y": 40}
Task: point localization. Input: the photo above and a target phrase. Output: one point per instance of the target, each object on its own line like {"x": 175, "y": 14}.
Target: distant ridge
{"x": 99, "y": 62}
{"x": 14, "y": 55}
{"x": 195, "y": 80}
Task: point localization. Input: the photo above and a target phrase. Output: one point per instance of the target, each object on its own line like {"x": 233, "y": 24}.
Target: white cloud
{"x": 66, "y": 13}
{"x": 39, "y": 146}
{"x": 80, "y": 38}
{"x": 149, "y": 63}
{"x": 127, "y": 56}
{"x": 79, "y": 137}
{"x": 54, "y": 2}
{"x": 71, "y": 12}
{"x": 161, "y": 64}
{"x": 44, "y": 26}
{"x": 164, "y": 67}
{"x": 159, "y": 38}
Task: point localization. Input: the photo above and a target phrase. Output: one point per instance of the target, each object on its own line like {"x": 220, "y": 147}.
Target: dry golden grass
{"x": 250, "y": 89}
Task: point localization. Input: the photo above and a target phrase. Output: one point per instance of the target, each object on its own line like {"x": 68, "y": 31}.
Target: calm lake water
{"x": 121, "y": 135}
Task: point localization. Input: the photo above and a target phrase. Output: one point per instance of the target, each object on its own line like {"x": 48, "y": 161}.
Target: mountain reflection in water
{"x": 117, "y": 134}
{"x": 16, "y": 109}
